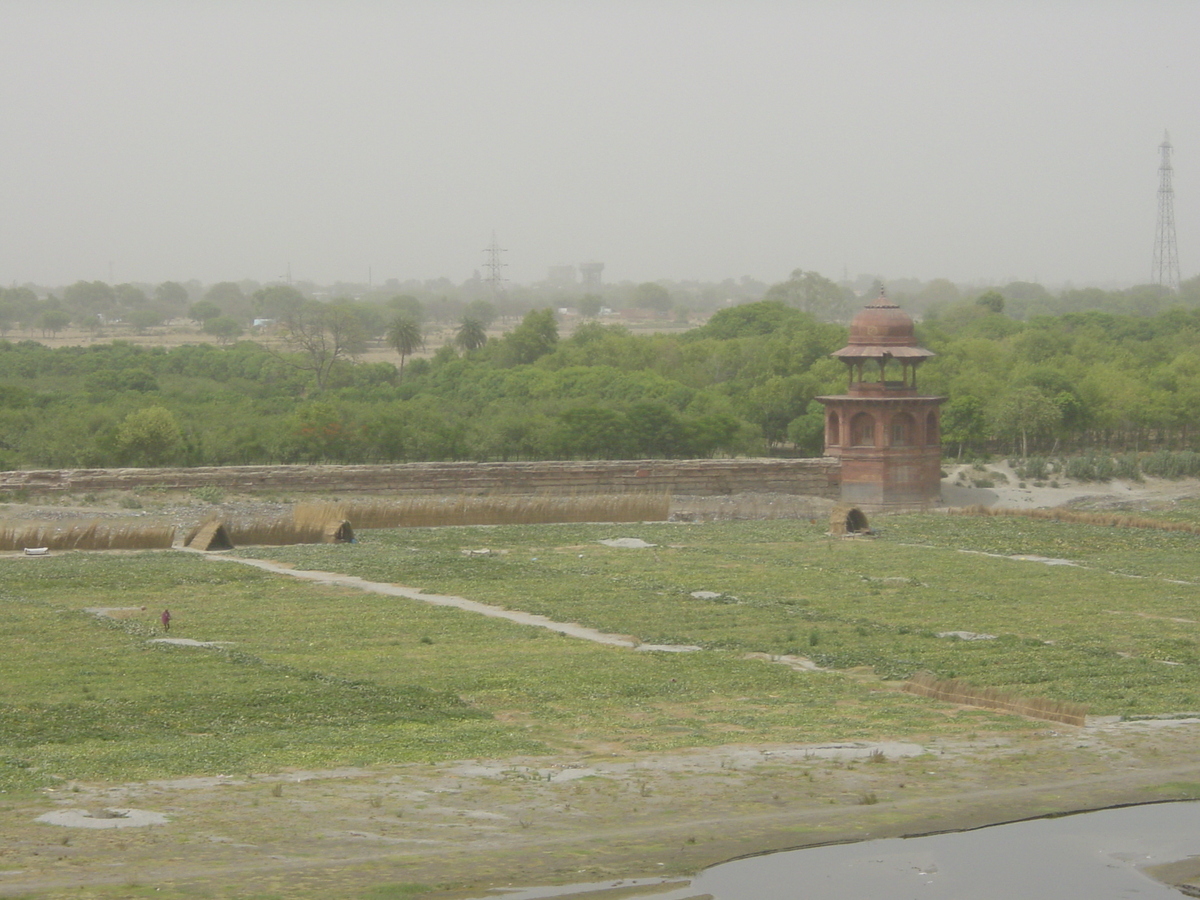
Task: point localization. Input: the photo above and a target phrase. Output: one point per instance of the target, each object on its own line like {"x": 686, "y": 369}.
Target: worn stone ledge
{"x": 812, "y": 477}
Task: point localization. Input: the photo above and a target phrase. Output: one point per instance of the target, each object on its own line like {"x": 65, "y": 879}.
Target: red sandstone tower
{"x": 887, "y": 437}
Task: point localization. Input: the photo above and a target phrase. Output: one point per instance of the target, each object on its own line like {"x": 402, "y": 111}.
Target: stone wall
{"x": 810, "y": 477}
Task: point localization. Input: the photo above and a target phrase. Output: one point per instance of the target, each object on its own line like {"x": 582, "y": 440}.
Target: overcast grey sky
{"x": 667, "y": 138}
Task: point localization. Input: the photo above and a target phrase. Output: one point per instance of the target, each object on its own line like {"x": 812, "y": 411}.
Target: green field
{"x": 319, "y": 676}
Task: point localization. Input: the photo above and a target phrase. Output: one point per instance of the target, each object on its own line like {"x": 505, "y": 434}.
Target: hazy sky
{"x": 667, "y": 138}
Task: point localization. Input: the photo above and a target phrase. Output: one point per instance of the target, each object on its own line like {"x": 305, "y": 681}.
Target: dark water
{"x": 1091, "y": 855}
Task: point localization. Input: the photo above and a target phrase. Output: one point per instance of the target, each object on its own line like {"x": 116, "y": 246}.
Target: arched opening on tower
{"x": 862, "y": 430}
{"x": 904, "y": 430}
{"x": 833, "y": 430}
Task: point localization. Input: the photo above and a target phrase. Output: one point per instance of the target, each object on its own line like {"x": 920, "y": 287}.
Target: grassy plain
{"x": 317, "y": 677}
{"x": 1116, "y": 630}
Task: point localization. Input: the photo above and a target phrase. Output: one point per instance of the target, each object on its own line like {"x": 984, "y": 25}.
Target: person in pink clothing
{"x": 166, "y": 619}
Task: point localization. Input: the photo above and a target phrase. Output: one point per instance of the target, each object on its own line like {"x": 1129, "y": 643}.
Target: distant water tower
{"x": 591, "y": 272}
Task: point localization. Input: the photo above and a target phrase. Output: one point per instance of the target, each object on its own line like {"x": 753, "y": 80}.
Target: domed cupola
{"x": 884, "y": 324}
{"x": 882, "y": 331}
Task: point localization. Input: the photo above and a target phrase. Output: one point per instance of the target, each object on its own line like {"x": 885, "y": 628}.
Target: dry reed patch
{"x": 428, "y": 512}
{"x": 953, "y": 690}
{"x": 750, "y": 505}
{"x": 1111, "y": 520}
{"x": 92, "y": 535}
{"x": 309, "y": 523}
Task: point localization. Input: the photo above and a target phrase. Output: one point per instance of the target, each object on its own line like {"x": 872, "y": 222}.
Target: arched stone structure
{"x": 889, "y": 435}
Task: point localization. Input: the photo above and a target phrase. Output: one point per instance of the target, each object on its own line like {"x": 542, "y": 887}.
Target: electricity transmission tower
{"x": 1165, "y": 268}
{"x": 495, "y": 268}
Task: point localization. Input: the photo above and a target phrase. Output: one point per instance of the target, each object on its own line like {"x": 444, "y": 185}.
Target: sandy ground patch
{"x": 109, "y": 817}
{"x": 580, "y": 816}
{"x": 188, "y": 642}
{"x": 1009, "y": 491}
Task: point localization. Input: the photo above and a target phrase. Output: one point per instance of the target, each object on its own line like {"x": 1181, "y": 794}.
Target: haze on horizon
{"x": 673, "y": 139}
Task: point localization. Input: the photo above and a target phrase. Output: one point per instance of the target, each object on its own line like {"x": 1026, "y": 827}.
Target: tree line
{"x": 743, "y": 383}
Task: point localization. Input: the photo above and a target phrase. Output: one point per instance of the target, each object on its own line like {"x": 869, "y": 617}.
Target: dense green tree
{"x": 536, "y": 336}
{"x": 774, "y": 403}
{"x": 130, "y": 296}
{"x": 654, "y": 428}
{"x": 90, "y": 296}
{"x": 589, "y": 305}
{"x": 226, "y": 295}
{"x": 319, "y": 431}
{"x": 203, "y": 310}
{"x": 223, "y": 328}
{"x": 807, "y": 431}
{"x": 1023, "y": 411}
{"x": 652, "y": 296}
{"x": 812, "y": 293}
{"x": 935, "y": 295}
{"x": 144, "y": 319}
{"x": 964, "y": 422}
{"x": 992, "y": 301}
{"x": 171, "y": 294}
{"x": 18, "y": 305}
{"x": 277, "y": 301}
{"x": 593, "y": 432}
{"x": 52, "y": 321}
{"x": 149, "y": 437}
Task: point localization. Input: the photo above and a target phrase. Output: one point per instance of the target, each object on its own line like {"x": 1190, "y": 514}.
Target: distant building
{"x": 591, "y": 272}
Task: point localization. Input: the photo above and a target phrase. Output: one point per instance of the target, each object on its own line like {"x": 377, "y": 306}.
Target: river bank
{"x": 465, "y": 828}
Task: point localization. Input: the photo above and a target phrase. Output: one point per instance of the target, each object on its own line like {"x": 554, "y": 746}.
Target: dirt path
{"x": 571, "y": 629}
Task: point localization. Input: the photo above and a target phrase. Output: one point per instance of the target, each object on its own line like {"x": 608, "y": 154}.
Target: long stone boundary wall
{"x": 810, "y": 477}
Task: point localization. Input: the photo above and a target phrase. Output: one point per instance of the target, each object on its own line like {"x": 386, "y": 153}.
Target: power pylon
{"x": 495, "y": 268}
{"x": 1165, "y": 268}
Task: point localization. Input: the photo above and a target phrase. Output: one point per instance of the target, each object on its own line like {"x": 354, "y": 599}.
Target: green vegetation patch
{"x": 305, "y": 674}
{"x": 87, "y": 695}
{"x": 1088, "y": 633}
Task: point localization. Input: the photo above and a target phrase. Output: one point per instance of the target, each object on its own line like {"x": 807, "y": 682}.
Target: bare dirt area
{"x": 998, "y": 485}
{"x": 473, "y": 826}
{"x": 599, "y": 813}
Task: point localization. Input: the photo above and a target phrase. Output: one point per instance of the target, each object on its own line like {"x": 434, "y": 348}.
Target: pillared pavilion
{"x": 887, "y": 436}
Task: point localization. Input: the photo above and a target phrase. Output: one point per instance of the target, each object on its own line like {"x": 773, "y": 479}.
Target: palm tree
{"x": 404, "y": 336}
{"x": 471, "y": 334}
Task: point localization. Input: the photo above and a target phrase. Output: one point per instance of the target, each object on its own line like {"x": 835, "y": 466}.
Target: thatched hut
{"x": 846, "y": 519}
{"x": 209, "y": 535}
{"x": 338, "y": 532}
